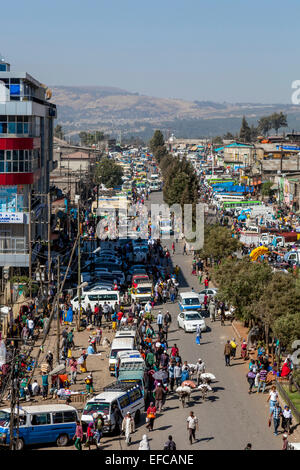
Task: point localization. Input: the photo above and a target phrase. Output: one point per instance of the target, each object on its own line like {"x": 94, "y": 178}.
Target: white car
{"x": 210, "y": 292}
{"x": 189, "y": 321}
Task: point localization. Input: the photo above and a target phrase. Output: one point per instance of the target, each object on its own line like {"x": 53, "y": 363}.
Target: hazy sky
{"x": 221, "y": 50}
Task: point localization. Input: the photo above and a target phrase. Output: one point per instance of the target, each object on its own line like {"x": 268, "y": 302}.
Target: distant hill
{"x": 114, "y": 110}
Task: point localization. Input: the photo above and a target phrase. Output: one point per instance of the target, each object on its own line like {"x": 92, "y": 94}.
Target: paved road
{"x": 230, "y": 418}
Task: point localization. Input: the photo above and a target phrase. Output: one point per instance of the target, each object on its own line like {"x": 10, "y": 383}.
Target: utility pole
{"x": 12, "y": 401}
{"x": 79, "y": 261}
{"x": 49, "y": 241}
{"x": 58, "y": 312}
{"x": 29, "y": 242}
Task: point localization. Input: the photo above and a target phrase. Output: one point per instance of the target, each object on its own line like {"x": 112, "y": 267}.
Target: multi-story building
{"x": 26, "y": 158}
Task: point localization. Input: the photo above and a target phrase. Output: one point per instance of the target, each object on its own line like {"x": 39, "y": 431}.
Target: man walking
{"x": 227, "y": 352}
{"x": 192, "y": 426}
{"x": 276, "y": 413}
{"x": 159, "y": 321}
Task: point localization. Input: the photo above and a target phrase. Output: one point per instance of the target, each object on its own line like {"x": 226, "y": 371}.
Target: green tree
{"x": 264, "y": 125}
{"x": 241, "y": 283}
{"x": 266, "y": 188}
{"x": 156, "y": 141}
{"x": 218, "y": 243}
{"x": 278, "y": 120}
{"x": 108, "y": 173}
{"x": 245, "y": 131}
{"x": 279, "y": 298}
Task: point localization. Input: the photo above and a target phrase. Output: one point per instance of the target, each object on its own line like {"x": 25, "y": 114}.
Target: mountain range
{"x": 114, "y": 111}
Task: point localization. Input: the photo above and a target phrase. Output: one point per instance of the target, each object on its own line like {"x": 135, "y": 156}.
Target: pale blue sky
{"x": 221, "y": 50}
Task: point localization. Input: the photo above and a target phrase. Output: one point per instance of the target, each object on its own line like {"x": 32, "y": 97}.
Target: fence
{"x": 288, "y": 401}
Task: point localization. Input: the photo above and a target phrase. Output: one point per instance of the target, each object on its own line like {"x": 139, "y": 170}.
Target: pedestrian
{"x": 73, "y": 366}
{"x": 159, "y": 321}
{"x": 212, "y": 310}
{"x": 128, "y": 427}
{"x": 286, "y": 419}
{"x": 170, "y": 444}
{"x": 90, "y": 435}
{"x": 45, "y": 385}
{"x": 198, "y": 334}
{"x": 99, "y": 424}
{"x": 233, "y": 346}
{"x": 159, "y": 395}
{"x": 192, "y": 426}
{"x": 144, "y": 444}
{"x": 89, "y": 384}
{"x": 262, "y": 380}
{"x": 251, "y": 377}
{"x": 227, "y": 352}
{"x": 276, "y": 414}
{"x": 49, "y": 359}
{"x": 200, "y": 369}
{"x": 78, "y": 436}
{"x": 273, "y": 397}
{"x": 151, "y": 415}
{"x": 178, "y": 374}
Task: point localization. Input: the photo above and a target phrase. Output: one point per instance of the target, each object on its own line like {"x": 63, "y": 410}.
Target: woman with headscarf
{"x": 144, "y": 444}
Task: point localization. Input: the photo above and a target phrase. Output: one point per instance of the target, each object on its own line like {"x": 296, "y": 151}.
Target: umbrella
{"x": 208, "y": 375}
{"x": 160, "y": 375}
{"x": 189, "y": 383}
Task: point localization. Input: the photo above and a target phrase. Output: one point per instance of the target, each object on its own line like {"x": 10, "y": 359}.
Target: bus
{"x": 240, "y": 204}
{"x": 228, "y": 197}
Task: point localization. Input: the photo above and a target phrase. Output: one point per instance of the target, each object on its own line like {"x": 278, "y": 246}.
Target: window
{"x": 18, "y": 161}
{"x": 135, "y": 395}
{"x": 70, "y": 417}
{"x": 40, "y": 419}
{"x": 14, "y": 124}
{"x": 124, "y": 401}
{"x": 58, "y": 418}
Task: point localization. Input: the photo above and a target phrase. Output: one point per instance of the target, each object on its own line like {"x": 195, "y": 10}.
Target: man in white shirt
{"x": 159, "y": 321}
{"x": 30, "y": 324}
{"x": 200, "y": 369}
{"x": 192, "y": 426}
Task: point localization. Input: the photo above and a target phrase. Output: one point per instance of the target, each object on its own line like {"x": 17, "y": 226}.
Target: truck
{"x": 284, "y": 239}
{"x": 142, "y": 292}
{"x": 292, "y": 257}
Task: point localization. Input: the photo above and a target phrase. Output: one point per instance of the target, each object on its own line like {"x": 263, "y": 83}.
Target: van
{"x": 114, "y": 403}
{"x": 95, "y": 297}
{"x": 119, "y": 344}
{"x": 41, "y": 424}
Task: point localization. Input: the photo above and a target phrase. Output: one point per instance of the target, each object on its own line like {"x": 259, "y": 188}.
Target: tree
{"x": 218, "y": 243}
{"x": 266, "y": 188}
{"x": 108, "y": 173}
{"x": 245, "y": 131}
{"x": 58, "y": 132}
{"x": 217, "y": 140}
{"x": 278, "y": 120}
{"x": 241, "y": 284}
{"x": 91, "y": 138}
{"x": 156, "y": 141}
{"x": 279, "y": 298}
{"x": 228, "y": 136}
{"x": 264, "y": 125}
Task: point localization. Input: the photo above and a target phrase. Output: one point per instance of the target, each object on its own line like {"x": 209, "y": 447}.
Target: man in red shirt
{"x": 119, "y": 316}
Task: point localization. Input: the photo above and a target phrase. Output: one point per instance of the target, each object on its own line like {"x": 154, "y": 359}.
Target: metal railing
{"x": 288, "y": 401}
